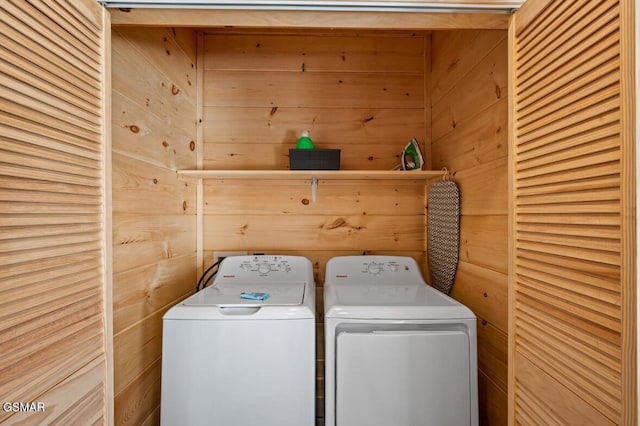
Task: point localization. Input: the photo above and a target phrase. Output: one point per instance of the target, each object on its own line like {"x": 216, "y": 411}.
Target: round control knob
{"x": 393, "y": 267}
{"x": 245, "y": 267}
{"x": 374, "y": 268}
{"x": 263, "y": 268}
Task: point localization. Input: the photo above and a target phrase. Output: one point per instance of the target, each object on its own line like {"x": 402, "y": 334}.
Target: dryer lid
{"x": 391, "y": 302}
{"x": 228, "y": 295}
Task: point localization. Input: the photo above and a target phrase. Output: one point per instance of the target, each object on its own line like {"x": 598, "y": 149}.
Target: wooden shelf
{"x": 308, "y": 174}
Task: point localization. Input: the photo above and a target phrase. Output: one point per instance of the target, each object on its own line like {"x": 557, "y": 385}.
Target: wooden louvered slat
{"x": 554, "y": 341}
{"x": 47, "y": 324}
{"x": 571, "y": 264}
{"x": 43, "y": 174}
{"x": 48, "y": 132}
{"x": 571, "y": 252}
{"x": 37, "y": 54}
{"x": 568, "y": 240}
{"x": 569, "y": 40}
{"x": 40, "y": 242}
{"x": 567, "y": 303}
{"x": 43, "y": 187}
{"x": 573, "y": 374}
{"x": 567, "y": 320}
{"x": 48, "y": 219}
{"x": 571, "y": 120}
{"x": 41, "y": 75}
{"x": 567, "y": 298}
{"x": 551, "y": 105}
{"x": 47, "y": 138}
{"x": 50, "y": 231}
{"x": 571, "y": 219}
{"x": 552, "y": 90}
{"x": 52, "y": 209}
{"x": 599, "y": 287}
{"x": 48, "y": 366}
{"x": 86, "y": 13}
{"x": 39, "y": 94}
{"x": 52, "y": 267}
{"x": 45, "y": 209}
{"x": 79, "y": 164}
{"x": 568, "y": 243}
{"x": 49, "y": 198}
{"x": 88, "y": 35}
{"x": 534, "y": 414}
{"x": 51, "y": 35}
{"x": 570, "y": 177}
{"x": 606, "y": 232}
{"x": 543, "y": 12}
{"x": 604, "y": 194}
{"x": 50, "y": 22}
{"x": 574, "y": 135}
{"x": 65, "y": 282}
{"x": 576, "y": 185}
{"x": 562, "y": 403}
{"x": 567, "y": 148}
{"x": 605, "y": 352}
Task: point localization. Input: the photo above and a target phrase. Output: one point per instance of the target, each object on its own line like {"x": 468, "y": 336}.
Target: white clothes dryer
{"x": 228, "y": 360}
{"x": 397, "y": 351}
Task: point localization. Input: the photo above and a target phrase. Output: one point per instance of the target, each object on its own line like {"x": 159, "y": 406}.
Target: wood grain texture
{"x": 327, "y": 232}
{"x": 318, "y": 20}
{"x": 293, "y": 198}
{"x": 142, "y": 135}
{"x": 470, "y": 138}
{"x": 52, "y": 337}
{"x": 466, "y": 51}
{"x": 325, "y": 90}
{"x": 141, "y": 291}
{"x": 154, "y": 211}
{"x": 361, "y": 93}
{"x": 563, "y": 404}
{"x": 141, "y": 399}
{"x": 314, "y": 53}
{"x": 488, "y": 86}
{"x": 492, "y": 401}
{"x": 143, "y": 239}
{"x": 482, "y": 241}
{"x": 570, "y": 301}
{"x": 140, "y": 187}
{"x": 628, "y": 167}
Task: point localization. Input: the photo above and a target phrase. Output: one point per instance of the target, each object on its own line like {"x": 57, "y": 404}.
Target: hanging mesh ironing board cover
{"x": 443, "y": 234}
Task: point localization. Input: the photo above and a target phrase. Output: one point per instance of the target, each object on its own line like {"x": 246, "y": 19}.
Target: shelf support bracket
{"x": 314, "y": 188}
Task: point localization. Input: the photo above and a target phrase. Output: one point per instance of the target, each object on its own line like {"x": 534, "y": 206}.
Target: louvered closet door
{"x": 573, "y": 284}
{"x": 52, "y": 211}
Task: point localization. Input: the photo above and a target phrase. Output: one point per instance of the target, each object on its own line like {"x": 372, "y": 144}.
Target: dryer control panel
{"x": 387, "y": 269}
{"x": 376, "y": 268}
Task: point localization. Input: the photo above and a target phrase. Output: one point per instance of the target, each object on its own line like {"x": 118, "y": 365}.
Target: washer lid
{"x": 227, "y": 294}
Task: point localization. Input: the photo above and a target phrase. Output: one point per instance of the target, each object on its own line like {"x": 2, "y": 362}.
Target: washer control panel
{"x": 265, "y": 268}
{"x": 266, "y": 264}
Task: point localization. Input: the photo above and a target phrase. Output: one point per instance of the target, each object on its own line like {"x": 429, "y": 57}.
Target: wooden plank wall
{"x": 154, "y": 213}
{"x": 52, "y": 271}
{"x": 470, "y": 137}
{"x": 362, "y": 93}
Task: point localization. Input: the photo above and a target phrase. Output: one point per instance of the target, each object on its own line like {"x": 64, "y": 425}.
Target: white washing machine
{"x": 398, "y": 352}
{"x": 232, "y": 361}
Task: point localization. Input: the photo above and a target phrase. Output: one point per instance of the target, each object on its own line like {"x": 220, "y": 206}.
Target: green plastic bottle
{"x": 305, "y": 141}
